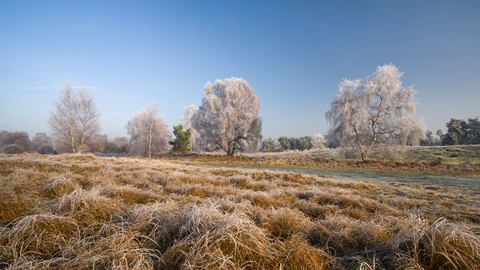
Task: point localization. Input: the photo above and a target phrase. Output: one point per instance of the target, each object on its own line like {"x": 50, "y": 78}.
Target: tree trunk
{"x": 364, "y": 156}
{"x": 150, "y": 146}
{"x": 231, "y": 148}
{"x": 71, "y": 124}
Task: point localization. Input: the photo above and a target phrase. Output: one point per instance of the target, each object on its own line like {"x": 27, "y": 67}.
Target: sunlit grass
{"x": 84, "y": 212}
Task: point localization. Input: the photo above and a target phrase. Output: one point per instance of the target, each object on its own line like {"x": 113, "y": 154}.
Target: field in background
{"x": 447, "y": 154}
{"x": 69, "y": 211}
{"x": 434, "y": 160}
{"x": 437, "y": 169}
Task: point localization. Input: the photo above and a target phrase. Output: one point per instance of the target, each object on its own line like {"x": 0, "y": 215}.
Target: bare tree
{"x": 187, "y": 123}
{"x": 228, "y": 118}
{"x": 123, "y": 144}
{"x": 375, "y": 109}
{"x": 75, "y": 120}
{"x": 148, "y": 132}
{"x": 62, "y": 121}
{"x": 87, "y": 114}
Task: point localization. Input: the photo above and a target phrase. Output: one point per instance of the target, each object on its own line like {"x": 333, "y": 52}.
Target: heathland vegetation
{"x": 85, "y": 212}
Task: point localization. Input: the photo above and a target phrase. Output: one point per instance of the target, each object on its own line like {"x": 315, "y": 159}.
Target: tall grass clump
{"x": 39, "y": 236}
{"x": 88, "y": 207}
{"x": 441, "y": 245}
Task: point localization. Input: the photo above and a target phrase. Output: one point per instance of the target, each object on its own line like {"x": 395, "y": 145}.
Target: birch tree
{"x": 365, "y": 110}
{"x": 228, "y": 118}
{"x": 149, "y": 135}
{"x": 74, "y": 123}
{"x": 87, "y": 115}
{"x": 187, "y": 123}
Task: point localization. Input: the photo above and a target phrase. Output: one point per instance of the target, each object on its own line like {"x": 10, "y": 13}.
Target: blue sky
{"x": 293, "y": 53}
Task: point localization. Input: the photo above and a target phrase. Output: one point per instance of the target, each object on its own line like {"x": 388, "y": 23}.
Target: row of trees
{"x": 19, "y": 142}
{"x": 367, "y": 113}
{"x": 228, "y": 120}
{"x": 462, "y": 132}
{"x": 458, "y": 132}
{"x": 283, "y": 144}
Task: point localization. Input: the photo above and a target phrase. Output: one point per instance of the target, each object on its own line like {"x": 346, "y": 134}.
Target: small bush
{"x": 45, "y": 149}
{"x": 13, "y": 149}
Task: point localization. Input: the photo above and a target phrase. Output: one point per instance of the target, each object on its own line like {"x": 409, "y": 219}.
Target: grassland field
{"x": 290, "y": 211}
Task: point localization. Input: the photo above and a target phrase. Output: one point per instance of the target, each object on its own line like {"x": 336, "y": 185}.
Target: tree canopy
{"x": 228, "y": 118}
{"x": 373, "y": 109}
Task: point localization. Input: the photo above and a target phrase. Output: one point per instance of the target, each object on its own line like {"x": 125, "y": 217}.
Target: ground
{"x": 245, "y": 212}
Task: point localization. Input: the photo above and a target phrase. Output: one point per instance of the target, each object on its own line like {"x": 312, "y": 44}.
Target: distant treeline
{"x": 19, "y": 142}
{"x": 458, "y": 132}
{"x": 283, "y": 143}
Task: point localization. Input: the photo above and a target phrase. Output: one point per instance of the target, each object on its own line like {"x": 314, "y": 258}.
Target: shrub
{"x": 13, "y": 149}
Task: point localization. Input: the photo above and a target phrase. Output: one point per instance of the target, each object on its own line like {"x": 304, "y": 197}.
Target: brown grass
{"x": 318, "y": 159}
{"x": 85, "y": 212}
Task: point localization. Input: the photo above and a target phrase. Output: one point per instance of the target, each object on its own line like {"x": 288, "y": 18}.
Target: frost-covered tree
{"x": 431, "y": 139}
{"x": 277, "y": 146}
{"x": 42, "y": 143}
{"x": 435, "y": 140}
{"x": 149, "y": 135}
{"x": 187, "y": 123}
{"x": 267, "y": 145}
{"x": 378, "y": 106}
{"x": 228, "y": 118}
{"x": 19, "y": 138}
{"x": 74, "y": 123}
{"x": 122, "y": 144}
{"x": 318, "y": 141}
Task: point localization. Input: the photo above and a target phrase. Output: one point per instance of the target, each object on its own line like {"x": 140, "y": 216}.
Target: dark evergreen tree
{"x": 303, "y": 143}
{"x": 267, "y": 145}
{"x": 293, "y": 143}
{"x": 473, "y": 131}
{"x": 440, "y": 134}
{"x": 285, "y": 143}
{"x": 456, "y": 132}
{"x": 182, "y": 139}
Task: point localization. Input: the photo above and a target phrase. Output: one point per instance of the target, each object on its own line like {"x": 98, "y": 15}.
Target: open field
{"x": 469, "y": 181}
{"x": 434, "y": 163}
{"x": 70, "y": 211}
{"x": 451, "y": 154}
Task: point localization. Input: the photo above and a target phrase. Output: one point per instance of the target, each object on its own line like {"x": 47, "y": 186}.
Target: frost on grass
{"x": 85, "y": 212}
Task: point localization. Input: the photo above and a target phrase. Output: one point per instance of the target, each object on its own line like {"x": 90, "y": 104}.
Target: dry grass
{"x": 324, "y": 159}
{"x": 85, "y": 212}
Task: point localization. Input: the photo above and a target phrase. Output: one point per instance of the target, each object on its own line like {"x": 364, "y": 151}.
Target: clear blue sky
{"x": 293, "y": 53}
